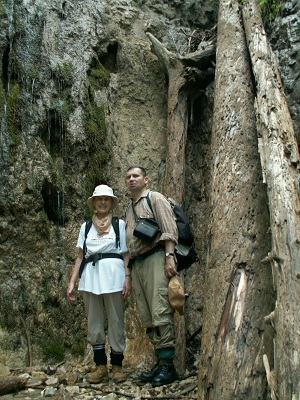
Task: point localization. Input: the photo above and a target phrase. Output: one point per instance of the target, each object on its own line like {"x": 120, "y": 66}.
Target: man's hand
{"x": 170, "y": 267}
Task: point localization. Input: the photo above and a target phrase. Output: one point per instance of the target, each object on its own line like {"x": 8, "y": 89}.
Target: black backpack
{"x": 185, "y": 249}
{"x": 115, "y": 224}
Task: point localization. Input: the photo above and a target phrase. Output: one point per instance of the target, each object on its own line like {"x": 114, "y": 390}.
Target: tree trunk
{"x": 177, "y": 120}
{"x": 280, "y": 162}
{"x": 237, "y": 285}
{"x": 179, "y": 71}
{"x": 10, "y": 384}
{"x": 175, "y": 159}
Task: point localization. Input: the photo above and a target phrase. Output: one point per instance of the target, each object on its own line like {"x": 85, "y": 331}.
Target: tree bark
{"x": 179, "y": 71}
{"x": 177, "y": 122}
{"x": 175, "y": 157}
{"x": 280, "y": 162}
{"x": 10, "y": 384}
{"x": 237, "y": 286}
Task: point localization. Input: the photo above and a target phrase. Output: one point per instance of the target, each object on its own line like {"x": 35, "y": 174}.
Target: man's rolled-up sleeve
{"x": 164, "y": 217}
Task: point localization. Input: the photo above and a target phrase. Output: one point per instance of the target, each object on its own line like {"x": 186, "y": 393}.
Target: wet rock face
{"x": 81, "y": 98}
{"x": 285, "y": 41}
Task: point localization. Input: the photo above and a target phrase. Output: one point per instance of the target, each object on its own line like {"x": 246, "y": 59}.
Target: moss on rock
{"x": 13, "y": 117}
{"x": 2, "y": 96}
{"x": 98, "y": 76}
{"x": 96, "y": 131}
{"x": 64, "y": 73}
{"x": 98, "y": 146}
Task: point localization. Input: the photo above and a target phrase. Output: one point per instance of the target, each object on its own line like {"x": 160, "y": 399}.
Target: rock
{"x": 49, "y": 392}
{"x": 69, "y": 378}
{"x": 72, "y": 389}
{"x": 53, "y": 381}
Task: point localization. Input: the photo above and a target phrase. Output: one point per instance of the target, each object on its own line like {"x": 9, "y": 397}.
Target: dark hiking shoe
{"x": 150, "y": 375}
{"x": 167, "y": 374}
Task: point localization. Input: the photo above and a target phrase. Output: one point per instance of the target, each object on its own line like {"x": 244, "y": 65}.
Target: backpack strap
{"x": 115, "y": 224}
{"x": 88, "y": 225}
{"x": 149, "y": 202}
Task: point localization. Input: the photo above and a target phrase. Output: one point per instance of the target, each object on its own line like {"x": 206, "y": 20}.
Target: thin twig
{"x": 28, "y": 341}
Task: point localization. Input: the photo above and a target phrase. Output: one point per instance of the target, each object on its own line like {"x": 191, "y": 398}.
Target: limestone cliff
{"x": 82, "y": 97}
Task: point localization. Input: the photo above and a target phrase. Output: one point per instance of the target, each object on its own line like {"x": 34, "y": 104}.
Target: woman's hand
{"x": 70, "y": 290}
{"x": 127, "y": 287}
{"x": 74, "y": 276}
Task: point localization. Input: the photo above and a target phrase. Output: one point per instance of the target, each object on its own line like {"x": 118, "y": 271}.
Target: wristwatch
{"x": 169, "y": 254}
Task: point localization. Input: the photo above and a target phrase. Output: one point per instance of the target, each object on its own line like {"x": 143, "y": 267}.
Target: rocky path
{"x": 66, "y": 382}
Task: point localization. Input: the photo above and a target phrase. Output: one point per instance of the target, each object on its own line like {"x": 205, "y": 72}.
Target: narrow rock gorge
{"x": 84, "y": 95}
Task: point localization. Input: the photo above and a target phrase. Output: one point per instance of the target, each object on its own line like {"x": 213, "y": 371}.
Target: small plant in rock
{"x": 53, "y": 349}
{"x": 270, "y": 9}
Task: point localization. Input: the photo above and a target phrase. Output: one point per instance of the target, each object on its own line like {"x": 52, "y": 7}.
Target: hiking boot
{"x": 119, "y": 375}
{"x": 99, "y": 374}
{"x": 167, "y": 374}
{"x": 150, "y": 375}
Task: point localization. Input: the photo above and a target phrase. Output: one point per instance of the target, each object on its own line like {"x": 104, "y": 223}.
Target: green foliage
{"x": 53, "y": 349}
{"x": 13, "y": 113}
{"x": 8, "y": 312}
{"x": 2, "y": 96}
{"x": 270, "y": 9}
{"x": 96, "y": 130}
{"x": 78, "y": 347}
{"x": 64, "y": 73}
{"x": 98, "y": 147}
{"x": 97, "y": 74}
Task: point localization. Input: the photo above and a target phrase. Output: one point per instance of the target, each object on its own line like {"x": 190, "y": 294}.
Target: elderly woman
{"x": 105, "y": 283}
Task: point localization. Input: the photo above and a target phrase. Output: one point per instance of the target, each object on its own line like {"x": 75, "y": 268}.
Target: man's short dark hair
{"x": 143, "y": 171}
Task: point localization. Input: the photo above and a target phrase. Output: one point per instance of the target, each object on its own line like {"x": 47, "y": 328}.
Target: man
{"x": 153, "y": 264}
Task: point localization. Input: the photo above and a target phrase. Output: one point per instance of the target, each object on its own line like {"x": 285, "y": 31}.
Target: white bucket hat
{"x": 103, "y": 190}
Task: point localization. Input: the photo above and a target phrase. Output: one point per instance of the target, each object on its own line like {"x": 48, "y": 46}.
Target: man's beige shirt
{"x": 163, "y": 215}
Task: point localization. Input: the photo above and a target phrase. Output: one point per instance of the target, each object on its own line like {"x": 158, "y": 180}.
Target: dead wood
{"x": 280, "y": 162}
{"x": 11, "y": 384}
{"x": 271, "y": 378}
{"x": 180, "y": 72}
{"x": 193, "y": 335}
{"x": 193, "y": 373}
{"x": 175, "y": 155}
{"x": 177, "y": 122}
{"x": 29, "y": 370}
{"x": 28, "y": 341}
{"x": 230, "y": 345}
{"x": 201, "y": 59}
{"x": 48, "y": 369}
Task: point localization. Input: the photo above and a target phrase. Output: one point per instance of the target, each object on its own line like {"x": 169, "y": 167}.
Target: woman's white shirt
{"x": 107, "y": 275}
